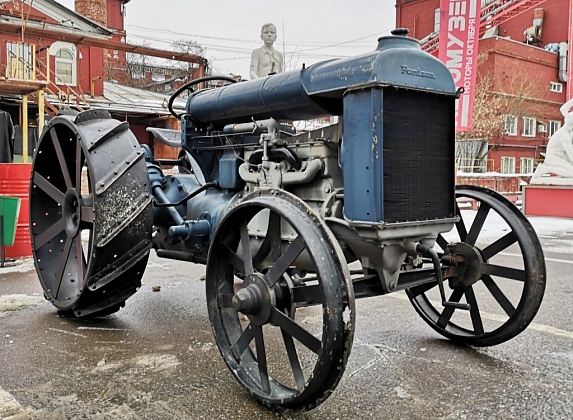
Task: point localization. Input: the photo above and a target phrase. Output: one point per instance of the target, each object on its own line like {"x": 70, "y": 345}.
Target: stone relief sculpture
{"x": 557, "y": 168}
{"x": 266, "y": 59}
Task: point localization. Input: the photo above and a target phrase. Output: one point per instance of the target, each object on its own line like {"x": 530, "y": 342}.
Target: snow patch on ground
{"x": 15, "y": 302}
{"x": 19, "y": 266}
{"x": 10, "y": 408}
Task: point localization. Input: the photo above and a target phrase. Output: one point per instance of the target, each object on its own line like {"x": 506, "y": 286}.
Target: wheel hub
{"x": 72, "y": 212}
{"x": 474, "y": 259}
{"x": 255, "y": 299}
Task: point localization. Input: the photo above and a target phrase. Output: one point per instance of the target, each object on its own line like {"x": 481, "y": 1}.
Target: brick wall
{"x": 95, "y": 10}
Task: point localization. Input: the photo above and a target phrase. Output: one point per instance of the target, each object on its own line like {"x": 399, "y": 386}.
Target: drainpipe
{"x": 563, "y": 68}
{"x": 570, "y": 62}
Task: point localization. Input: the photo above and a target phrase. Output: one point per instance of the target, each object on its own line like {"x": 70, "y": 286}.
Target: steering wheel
{"x": 193, "y": 83}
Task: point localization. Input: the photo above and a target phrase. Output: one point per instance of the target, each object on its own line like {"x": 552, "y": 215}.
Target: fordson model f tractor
{"x": 292, "y": 227}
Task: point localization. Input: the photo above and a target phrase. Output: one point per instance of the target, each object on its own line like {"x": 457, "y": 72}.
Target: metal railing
{"x": 28, "y": 68}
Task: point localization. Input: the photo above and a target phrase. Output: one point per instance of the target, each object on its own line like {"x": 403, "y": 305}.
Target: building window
{"x": 510, "y": 125}
{"x": 526, "y": 165}
{"x": 65, "y": 67}
{"x": 553, "y": 127}
{"x": 65, "y": 57}
{"x": 437, "y": 20}
{"x": 555, "y": 87}
{"x": 19, "y": 60}
{"x": 507, "y": 165}
{"x": 529, "y": 127}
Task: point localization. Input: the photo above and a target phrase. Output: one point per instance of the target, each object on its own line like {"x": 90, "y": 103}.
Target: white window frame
{"x": 526, "y": 163}
{"x": 437, "y": 20}
{"x": 553, "y": 126}
{"x": 70, "y": 48}
{"x": 556, "y": 87}
{"x": 529, "y": 127}
{"x": 510, "y": 125}
{"x": 507, "y": 164}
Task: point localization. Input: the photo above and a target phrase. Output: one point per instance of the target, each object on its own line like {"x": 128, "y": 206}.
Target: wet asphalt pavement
{"x": 157, "y": 359}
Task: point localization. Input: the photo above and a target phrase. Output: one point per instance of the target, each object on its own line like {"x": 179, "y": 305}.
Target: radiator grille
{"x": 418, "y": 156}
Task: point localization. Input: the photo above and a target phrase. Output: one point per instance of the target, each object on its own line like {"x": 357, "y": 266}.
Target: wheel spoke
{"x": 294, "y": 360}
{"x": 477, "y": 224}
{"x": 46, "y": 186}
{"x": 243, "y": 342}
{"x": 274, "y": 231}
{"x": 498, "y": 295}
{"x": 442, "y": 243}
{"x": 422, "y": 288}
{"x": 262, "y": 359}
{"x": 246, "y": 246}
{"x": 285, "y": 261}
{"x": 263, "y": 251}
{"x": 460, "y": 226}
{"x": 449, "y": 310}
{"x": 295, "y": 330}
{"x": 233, "y": 258}
{"x": 61, "y": 158}
{"x": 59, "y": 276}
{"x": 499, "y": 245}
{"x": 78, "y": 165}
{"x": 271, "y": 243}
{"x": 474, "y": 310}
{"x": 506, "y": 272}
{"x": 81, "y": 260}
{"x": 49, "y": 234}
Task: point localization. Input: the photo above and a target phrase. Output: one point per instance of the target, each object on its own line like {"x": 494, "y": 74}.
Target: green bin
{"x": 9, "y": 209}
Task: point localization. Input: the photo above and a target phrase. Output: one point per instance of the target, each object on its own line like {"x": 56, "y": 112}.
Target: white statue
{"x": 266, "y": 60}
{"x": 557, "y": 168}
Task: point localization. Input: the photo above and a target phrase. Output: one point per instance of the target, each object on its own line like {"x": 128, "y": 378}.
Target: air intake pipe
{"x": 318, "y": 90}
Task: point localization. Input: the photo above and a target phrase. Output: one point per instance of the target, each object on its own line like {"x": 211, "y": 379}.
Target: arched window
{"x": 65, "y": 58}
{"x": 65, "y": 67}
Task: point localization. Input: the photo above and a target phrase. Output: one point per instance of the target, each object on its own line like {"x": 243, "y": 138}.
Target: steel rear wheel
{"x": 280, "y": 300}
{"x": 90, "y": 213}
{"x": 505, "y": 277}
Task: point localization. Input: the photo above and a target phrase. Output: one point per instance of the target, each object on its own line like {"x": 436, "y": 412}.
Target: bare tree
{"x": 136, "y": 67}
{"x": 472, "y": 145}
{"x": 189, "y": 47}
{"x": 517, "y": 94}
{"x": 487, "y": 119}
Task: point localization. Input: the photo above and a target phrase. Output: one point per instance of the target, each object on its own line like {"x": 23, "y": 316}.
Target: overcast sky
{"x": 308, "y": 30}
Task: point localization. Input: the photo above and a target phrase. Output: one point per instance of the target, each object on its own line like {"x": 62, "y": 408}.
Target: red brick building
{"x": 52, "y": 57}
{"x": 523, "y": 73}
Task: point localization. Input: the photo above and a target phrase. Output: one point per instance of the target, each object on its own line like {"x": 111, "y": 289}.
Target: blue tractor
{"x": 293, "y": 227}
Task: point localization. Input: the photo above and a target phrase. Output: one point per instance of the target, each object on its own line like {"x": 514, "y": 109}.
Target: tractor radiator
{"x": 419, "y": 159}
{"x": 398, "y": 155}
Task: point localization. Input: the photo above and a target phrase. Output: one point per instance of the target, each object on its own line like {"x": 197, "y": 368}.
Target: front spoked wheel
{"x": 280, "y": 300}
{"x": 503, "y": 280}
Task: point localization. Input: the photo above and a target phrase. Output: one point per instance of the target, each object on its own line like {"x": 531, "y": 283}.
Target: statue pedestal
{"x": 548, "y": 200}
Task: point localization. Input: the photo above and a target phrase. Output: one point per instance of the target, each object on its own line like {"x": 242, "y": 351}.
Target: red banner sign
{"x": 459, "y": 33}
